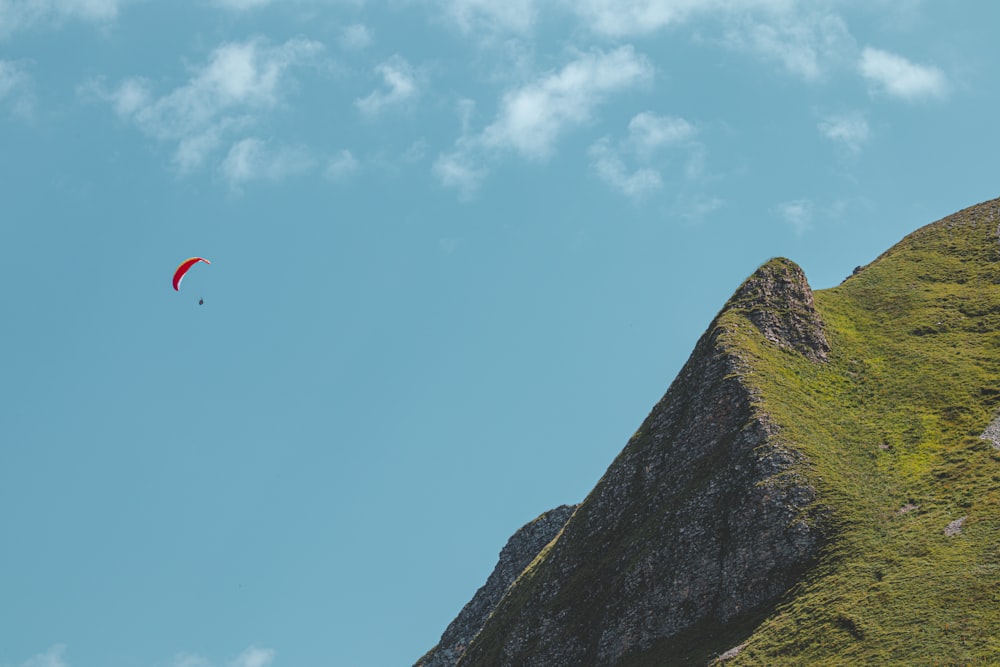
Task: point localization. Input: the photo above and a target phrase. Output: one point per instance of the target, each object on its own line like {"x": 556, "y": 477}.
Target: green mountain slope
{"x": 890, "y": 428}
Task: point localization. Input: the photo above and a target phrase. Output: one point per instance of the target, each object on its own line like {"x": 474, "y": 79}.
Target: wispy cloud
{"x": 53, "y": 657}
{"x": 356, "y": 37}
{"x": 341, "y": 166}
{"x": 649, "y": 132}
{"x": 804, "y": 38}
{"x": 189, "y": 660}
{"x": 233, "y": 91}
{"x": 254, "y": 657}
{"x": 254, "y": 159}
{"x": 241, "y": 5}
{"x": 649, "y": 136}
{"x": 611, "y": 169}
{"x": 16, "y": 88}
{"x": 18, "y": 15}
{"x": 532, "y": 117}
{"x": 797, "y": 214}
{"x": 896, "y": 76}
{"x": 460, "y": 170}
{"x": 251, "y": 657}
{"x": 491, "y": 17}
{"x": 401, "y": 86}
{"x": 804, "y": 43}
{"x": 848, "y": 130}
{"x": 697, "y": 208}
{"x": 627, "y": 18}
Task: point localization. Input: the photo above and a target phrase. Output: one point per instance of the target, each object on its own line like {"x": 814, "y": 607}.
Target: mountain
{"x": 819, "y": 485}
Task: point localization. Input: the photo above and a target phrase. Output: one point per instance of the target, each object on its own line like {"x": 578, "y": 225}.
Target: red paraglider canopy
{"x": 183, "y": 268}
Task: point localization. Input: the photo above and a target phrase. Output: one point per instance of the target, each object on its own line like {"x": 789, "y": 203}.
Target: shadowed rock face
{"x": 520, "y": 550}
{"x": 697, "y": 521}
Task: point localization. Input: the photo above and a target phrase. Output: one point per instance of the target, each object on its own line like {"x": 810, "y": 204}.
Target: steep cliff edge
{"x": 814, "y": 487}
{"x": 522, "y": 548}
{"x": 696, "y": 521}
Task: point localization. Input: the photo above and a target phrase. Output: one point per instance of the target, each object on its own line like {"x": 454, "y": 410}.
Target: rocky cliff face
{"x": 700, "y": 521}
{"x": 522, "y": 548}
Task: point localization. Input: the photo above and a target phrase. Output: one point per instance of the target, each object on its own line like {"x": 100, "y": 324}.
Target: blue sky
{"x": 459, "y": 249}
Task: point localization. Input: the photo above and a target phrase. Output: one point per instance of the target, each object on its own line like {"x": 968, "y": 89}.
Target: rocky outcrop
{"x": 778, "y": 301}
{"x": 522, "y": 548}
{"x": 992, "y": 433}
{"x": 700, "y": 520}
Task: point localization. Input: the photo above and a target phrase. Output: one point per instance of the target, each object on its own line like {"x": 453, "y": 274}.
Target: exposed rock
{"x": 699, "y": 520}
{"x": 992, "y": 433}
{"x": 729, "y": 655}
{"x": 778, "y": 301}
{"x": 522, "y": 548}
{"x": 954, "y": 527}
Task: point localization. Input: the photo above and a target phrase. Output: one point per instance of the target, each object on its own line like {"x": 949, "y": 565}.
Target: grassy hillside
{"x": 890, "y": 427}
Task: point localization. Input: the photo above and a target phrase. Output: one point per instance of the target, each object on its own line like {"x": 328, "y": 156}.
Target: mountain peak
{"x": 778, "y": 301}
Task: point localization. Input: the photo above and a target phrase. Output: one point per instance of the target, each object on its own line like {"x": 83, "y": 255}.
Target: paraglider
{"x": 182, "y": 271}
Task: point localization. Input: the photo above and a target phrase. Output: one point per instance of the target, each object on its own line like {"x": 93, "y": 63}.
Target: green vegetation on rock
{"x": 890, "y": 428}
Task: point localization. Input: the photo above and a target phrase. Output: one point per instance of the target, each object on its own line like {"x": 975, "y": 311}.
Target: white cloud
{"x": 849, "y": 130}
{"x": 234, "y": 90}
{"x": 532, "y": 117}
{"x": 803, "y": 37}
{"x": 797, "y": 214}
{"x": 242, "y": 5}
{"x": 341, "y": 165}
{"x": 254, "y": 657}
{"x": 898, "y": 77}
{"x": 804, "y": 43}
{"x": 251, "y": 657}
{"x": 51, "y": 658}
{"x": 611, "y": 169}
{"x": 22, "y": 14}
{"x": 490, "y": 16}
{"x": 700, "y": 207}
{"x": 466, "y": 109}
{"x": 254, "y": 159}
{"x": 626, "y": 18}
{"x": 188, "y": 660}
{"x": 459, "y": 170}
{"x": 401, "y": 81}
{"x": 650, "y": 132}
{"x": 356, "y": 37}
{"x": 623, "y": 18}
{"x": 650, "y": 135}
{"x": 132, "y": 95}
{"x": 15, "y": 88}
{"x": 12, "y": 75}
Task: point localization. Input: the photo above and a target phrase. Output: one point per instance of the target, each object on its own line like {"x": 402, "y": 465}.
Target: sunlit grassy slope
{"x": 890, "y": 427}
